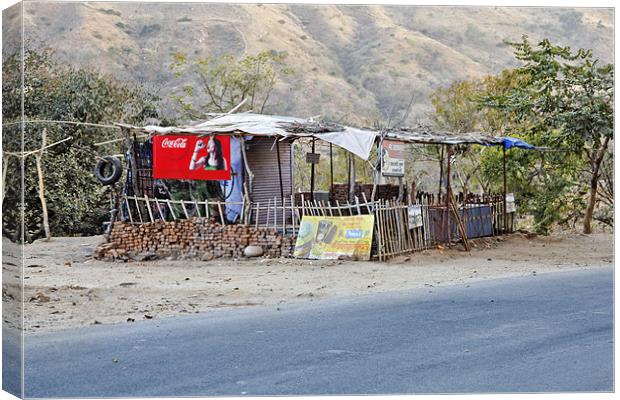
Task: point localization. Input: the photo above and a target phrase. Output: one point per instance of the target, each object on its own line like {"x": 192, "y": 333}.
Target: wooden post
{"x": 5, "y": 165}
{"x": 331, "y": 168}
{"x": 312, "y": 174}
{"x": 448, "y": 194}
{"x": 441, "y": 154}
{"x": 352, "y": 178}
{"x": 39, "y": 159}
{"x": 279, "y": 170}
{"x": 505, "y": 188}
{"x": 376, "y": 172}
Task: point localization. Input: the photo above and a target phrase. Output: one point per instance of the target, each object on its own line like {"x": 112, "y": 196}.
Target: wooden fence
{"x": 400, "y": 228}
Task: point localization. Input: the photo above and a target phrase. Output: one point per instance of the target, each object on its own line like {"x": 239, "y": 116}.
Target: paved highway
{"x": 551, "y": 332}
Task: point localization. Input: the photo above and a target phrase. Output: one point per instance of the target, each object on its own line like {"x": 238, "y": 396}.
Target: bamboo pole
{"x": 257, "y": 214}
{"x": 505, "y": 189}
{"x": 39, "y": 162}
{"x": 378, "y": 233}
{"x": 159, "y": 209}
{"x": 148, "y": 207}
{"x": 184, "y": 209}
{"x": 293, "y": 213}
{"x": 135, "y": 199}
{"x": 174, "y": 217}
{"x": 312, "y": 173}
{"x": 5, "y": 166}
{"x": 222, "y": 216}
{"x": 128, "y": 210}
{"x": 279, "y": 170}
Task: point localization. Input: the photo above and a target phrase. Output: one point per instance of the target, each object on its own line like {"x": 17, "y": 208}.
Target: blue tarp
{"x": 509, "y": 142}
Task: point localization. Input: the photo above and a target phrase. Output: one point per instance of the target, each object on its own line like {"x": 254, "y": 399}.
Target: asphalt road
{"x": 545, "y": 333}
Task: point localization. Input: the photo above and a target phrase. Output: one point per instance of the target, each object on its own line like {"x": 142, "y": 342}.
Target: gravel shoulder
{"x": 65, "y": 288}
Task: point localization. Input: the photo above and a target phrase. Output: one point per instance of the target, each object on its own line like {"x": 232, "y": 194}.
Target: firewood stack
{"x": 196, "y": 238}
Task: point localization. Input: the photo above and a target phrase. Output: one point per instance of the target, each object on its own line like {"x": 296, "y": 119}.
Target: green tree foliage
{"x": 76, "y": 201}
{"x": 557, "y": 99}
{"x": 225, "y": 81}
{"x": 565, "y": 102}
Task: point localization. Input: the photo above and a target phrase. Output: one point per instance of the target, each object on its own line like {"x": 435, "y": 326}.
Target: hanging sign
{"x": 313, "y": 158}
{"x": 328, "y": 238}
{"x": 392, "y": 158}
{"x": 191, "y": 157}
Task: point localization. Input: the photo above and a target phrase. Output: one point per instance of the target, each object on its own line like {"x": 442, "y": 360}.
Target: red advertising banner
{"x": 191, "y": 157}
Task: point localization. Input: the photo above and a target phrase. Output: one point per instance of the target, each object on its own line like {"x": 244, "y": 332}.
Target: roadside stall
{"x": 223, "y": 186}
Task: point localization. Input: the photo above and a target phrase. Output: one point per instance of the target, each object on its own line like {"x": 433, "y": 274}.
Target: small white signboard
{"x": 511, "y": 206}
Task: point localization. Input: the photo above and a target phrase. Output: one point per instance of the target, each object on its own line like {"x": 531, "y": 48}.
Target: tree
{"x": 565, "y": 102}
{"x": 51, "y": 91}
{"x": 223, "y": 82}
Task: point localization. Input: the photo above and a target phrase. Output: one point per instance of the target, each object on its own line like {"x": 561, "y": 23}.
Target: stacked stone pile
{"x": 196, "y": 238}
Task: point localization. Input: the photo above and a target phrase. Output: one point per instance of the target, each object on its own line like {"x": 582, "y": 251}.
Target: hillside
{"x": 360, "y": 63}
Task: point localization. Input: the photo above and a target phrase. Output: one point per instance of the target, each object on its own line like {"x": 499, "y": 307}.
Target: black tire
{"x": 114, "y": 175}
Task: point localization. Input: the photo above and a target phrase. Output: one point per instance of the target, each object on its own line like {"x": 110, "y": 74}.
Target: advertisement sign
{"x": 511, "y": 206}
{"x": 191, "y": 157}
{"x": 392, "y": 158}
{"x": 328, "y": 238}
{"x": 414, "y": 213}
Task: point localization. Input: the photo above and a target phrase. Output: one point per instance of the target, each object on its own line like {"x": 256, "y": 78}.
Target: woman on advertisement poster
{"x": 214, "y": 160}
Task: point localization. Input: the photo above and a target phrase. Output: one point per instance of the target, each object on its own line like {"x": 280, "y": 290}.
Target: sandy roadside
{"x": 65, "y": 288}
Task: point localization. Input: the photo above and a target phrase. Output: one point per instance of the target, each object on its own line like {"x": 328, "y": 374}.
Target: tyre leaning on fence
{"x": 104, "y": 174}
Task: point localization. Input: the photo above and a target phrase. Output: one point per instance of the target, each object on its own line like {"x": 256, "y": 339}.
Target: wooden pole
{"x": 312, "y": 174}
{"x": 280, "y": 171}
{"x": 440, "y": 174}
{"x": 39, "y": 162}
{"x": 352, "y": 178}
{"x": 377, "y": 171}
{"x": 505, "y": 189}
{"x": 331, "y": 168}
{"x": 5, "y": 165}
{"x": 448, "y": 193}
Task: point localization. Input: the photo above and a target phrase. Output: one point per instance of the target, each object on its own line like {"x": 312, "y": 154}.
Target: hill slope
{"x": 361, "y": 63}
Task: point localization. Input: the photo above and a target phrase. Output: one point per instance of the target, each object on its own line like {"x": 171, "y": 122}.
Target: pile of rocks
{"x": 196, "y": 238}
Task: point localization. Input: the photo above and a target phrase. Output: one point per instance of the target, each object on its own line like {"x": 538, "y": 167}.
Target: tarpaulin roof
{"x": 358, "y": 141}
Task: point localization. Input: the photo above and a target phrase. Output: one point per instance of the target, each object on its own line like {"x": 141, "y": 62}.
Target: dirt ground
{"x": 65, "y": 288}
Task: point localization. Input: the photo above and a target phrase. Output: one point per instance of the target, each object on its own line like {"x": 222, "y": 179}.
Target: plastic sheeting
{"x": 509, "y": 142}
{"x": 357, "y": 141}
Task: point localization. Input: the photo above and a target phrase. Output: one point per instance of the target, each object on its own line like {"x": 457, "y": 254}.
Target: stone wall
{"x": 196, "y": 238}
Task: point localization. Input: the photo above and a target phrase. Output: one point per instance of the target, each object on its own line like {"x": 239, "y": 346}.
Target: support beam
{"x": 312, "y": 173}
{"x": 280, "y": 170}
{"x": 505, "y": 189}
{"x": 331, "y": 168}
{"x": 39, "y": 162}
{"x": 448, "y": 193}
{"x": 352, "y": 178}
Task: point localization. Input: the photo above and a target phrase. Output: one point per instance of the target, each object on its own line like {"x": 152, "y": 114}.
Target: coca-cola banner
{"x": 191, "y": 157}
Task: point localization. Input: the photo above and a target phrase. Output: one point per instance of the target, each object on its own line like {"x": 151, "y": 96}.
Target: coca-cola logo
{"x": 179, "y": 143}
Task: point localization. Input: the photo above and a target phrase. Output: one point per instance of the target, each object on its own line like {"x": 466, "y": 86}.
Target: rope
{"x": 39, "y": 121}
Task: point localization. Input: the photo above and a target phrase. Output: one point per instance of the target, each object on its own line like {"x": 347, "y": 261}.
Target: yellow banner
{"x": 328, "y": 238}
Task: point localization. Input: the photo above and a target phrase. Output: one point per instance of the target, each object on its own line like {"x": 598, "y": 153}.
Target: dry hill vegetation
{"x": 358, "y": 63}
